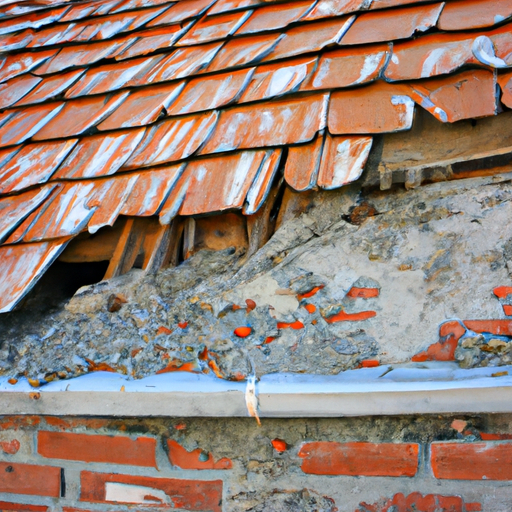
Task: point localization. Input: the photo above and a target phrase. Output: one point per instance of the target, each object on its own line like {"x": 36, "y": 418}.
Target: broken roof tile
{"x": 272, "y": 80}
{"x": 376, "y": 108}
{"x": 207, "y": 93}
{"x": 50, "y": 87}
{"x": 348, "y": 67}
{"x": 181, "y": 63}
{"x": 153, "y": 39}
{"x": 151, "y": 190}
{"x": 79, "y": 55}
{"x": 107, "y": 199}
{"x": 467, "y": 95}
{"x": 25, "y": 123}
{"x": 333, "y": 8}
{"x": 471, "y": 14}
{"x": 22, "y": 266}
{"x": 311, "y": 37}
{"x": 142, "y": 106}
{"x": 33, "y": 20}
{"x": 431, "y": 55}
{"x": 66, "y": 215}
{"x": 505, "y": 81}
{"x": 272, "y": 123}
{"x": 302, "y": 164}
{"x": 33, "y": 164}
{"x": 172, "y": 139}
{"x": 14, "y": 65}
{"x": 111, "y": 77}
{"x": 273, "y": 17}
{"x": 14, "y": 209}
{"x": 227, "y": 178}
{"x": 99, "y": 155}
{"x": 181, "y": 11}
{"x": 502, "y": 45}
{"x": 381, "y": 26}
{"x": 79, "y": 115}
{"x": 13, "y": 90}
{"x": 213, "y": 28}
{"x": 244, "y": 51}
{"x": 262, "y": 183}
{"x": 343, "y": 160}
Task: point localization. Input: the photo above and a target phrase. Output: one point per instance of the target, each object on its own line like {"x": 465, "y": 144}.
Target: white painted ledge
{"x": 424, "y": 388}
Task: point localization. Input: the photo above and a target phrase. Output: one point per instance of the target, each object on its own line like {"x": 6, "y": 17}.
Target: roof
{"x": 150, "y": 107}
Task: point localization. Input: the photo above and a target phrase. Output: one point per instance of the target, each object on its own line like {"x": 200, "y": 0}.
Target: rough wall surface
{"x": 393, "y": 464}
{"x": 359, "y": 279}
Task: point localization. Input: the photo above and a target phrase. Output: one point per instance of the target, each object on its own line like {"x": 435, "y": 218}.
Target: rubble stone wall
{"x": 371, "y": 464}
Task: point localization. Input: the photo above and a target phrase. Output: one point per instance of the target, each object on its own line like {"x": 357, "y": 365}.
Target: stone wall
{"x": 371, "y": 464}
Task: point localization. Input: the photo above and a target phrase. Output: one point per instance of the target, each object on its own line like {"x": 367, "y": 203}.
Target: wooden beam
{"x": 162, "y": 247}
{"x": 128, "y": 247}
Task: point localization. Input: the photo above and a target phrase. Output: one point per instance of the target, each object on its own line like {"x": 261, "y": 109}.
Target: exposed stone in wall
{"x": 358, "y": 280}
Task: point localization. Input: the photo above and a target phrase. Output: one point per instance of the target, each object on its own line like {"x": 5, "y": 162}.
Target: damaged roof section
{"x": 145, "y": 108}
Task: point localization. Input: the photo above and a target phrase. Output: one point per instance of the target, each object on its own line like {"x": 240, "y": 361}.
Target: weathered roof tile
{"x": 142, "y": 107}
{"x": 99, "y": 155}
{"x": 343, "y": 160}
{"x": 273, "y": 80}
{"x": 214, "y": 28}
{"x": 244, "y": 51}
{"x": 348, "y": 67}
{"x": 466, "y": 95}
{"x": 79, "y": 115}
{"x": 181, "y": 11}
{"x": 380, "y": 26}
{"x": 302, "y": 164}
{"x": 376, "y": 108}
{"x": 33, "y": 20}
{"x": 33, "y": 164}
{"x": 334, "y": 8}
{"x": 207, "y": 93}
{"x": 51, "y": 87}
{"x": 470, "y": 14}
{"x": 273, "y": 17}
{"x": 311, "y": 37}
{"x": 505, "y": 81}
{"x": 172, "y": 139}
{"x": 21, "y": 125}
{"x": 14, "y": 65}
{"x": 15, "y": 89}
{"x": 22, "y": 266}
{"x": 268, "y": 124}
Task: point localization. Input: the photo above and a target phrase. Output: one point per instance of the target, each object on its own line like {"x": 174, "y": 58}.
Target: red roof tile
{"x": 22, "y": 125}
{"x": 206, "y": 93}
{"x": 273, "y": 17}
{"x": 464, "y": 96}
{"x": 214, "y": 28}
{"x": 377, "y": 108}
{"x": 154, "y": 107}
{"x": 268, "y": 124}
{"x": 470, "y": 14}
{"x": 142, "y": 107}
{"x": 22, "y": 266}
{"x": 15, "y": 89}
{"x": 378, "y": 26}
{"x": 79, "y": 115}
{"x": 33, "y": 164}
{"x": 99, "y": 155}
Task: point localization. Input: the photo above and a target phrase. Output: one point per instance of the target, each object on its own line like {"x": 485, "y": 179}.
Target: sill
{"x": 414, "y": 388}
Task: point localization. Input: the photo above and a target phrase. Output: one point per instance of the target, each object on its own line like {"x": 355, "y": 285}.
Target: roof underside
{"x": 150, "y": 107}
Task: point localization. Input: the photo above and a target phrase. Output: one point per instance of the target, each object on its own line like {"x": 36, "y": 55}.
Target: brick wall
{"x": 429, "y": 464}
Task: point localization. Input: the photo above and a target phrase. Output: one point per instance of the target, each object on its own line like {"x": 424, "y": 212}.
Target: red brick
{"x": 363, "y": 293}
{"x": 475, "y": 461}
{"x": 368, "y": 459}
{"x": 183, "y": 459}
{"x": 97, "y": 448}
{"x": 30, "y": 479}
{"x": 420, "y": 503}
{"x": 19, "y": 507}
{"x": 185, "y": 494}
{"x": 444, "y": 349}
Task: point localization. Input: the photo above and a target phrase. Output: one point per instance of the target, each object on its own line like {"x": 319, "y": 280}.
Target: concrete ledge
{"x": 425, "y": 388}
